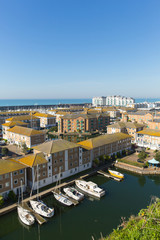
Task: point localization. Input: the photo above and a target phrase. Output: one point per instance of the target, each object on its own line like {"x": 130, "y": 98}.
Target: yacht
{"x": 73, "y": 193}
{"x": 62, "y": 198}
{"x": 90, "y": 188}
{"x": 116, "y": 174}
{"x": 24, "y": 215}
{"x": 41, "y": 208}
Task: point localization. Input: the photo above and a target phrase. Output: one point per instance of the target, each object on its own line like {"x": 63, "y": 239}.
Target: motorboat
{"x": 62, "y": 198}
{"x": 41, "y": 208}
{"x": 73, "y": 193}
{"x": 90, "y": 188}
{"x": 116, "y": 174}
{"x": 25, "y": 216}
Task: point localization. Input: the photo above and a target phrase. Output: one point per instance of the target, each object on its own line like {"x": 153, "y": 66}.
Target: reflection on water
{"x": 90, "y": 217}
{"x": 72, "y": 138}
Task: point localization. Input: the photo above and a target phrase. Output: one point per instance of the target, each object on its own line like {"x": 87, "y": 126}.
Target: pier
{"x": 108, "y": 175}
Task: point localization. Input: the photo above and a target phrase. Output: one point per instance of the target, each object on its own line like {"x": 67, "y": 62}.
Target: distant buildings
{"x": 113, "y": 101}
{"x": 88, "y": 122}
{"x": 46, "y": 120}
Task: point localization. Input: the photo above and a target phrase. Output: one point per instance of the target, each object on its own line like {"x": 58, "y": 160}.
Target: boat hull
{"x": 39, "y": 207}
{"x": 116, "y": 174}
{"x": 25, "y": 217}
{"x": 90, "y": 193}
{"x": 70, "y": 194}
{"x": 62, "y": 199}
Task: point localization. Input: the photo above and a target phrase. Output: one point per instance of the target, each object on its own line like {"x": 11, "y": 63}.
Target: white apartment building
{"x": 98, "y": 101}
{"x": 119, "y": 101}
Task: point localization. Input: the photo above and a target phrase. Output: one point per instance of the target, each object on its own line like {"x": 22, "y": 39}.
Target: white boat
{"x": 26, "y": 217}
{"x": 41, "y": 208}
{"x": 116, "y": 174}
{"x": 90, "y": 188}
{"x": 62, "y": 198}
{"x": 73, "y": 193}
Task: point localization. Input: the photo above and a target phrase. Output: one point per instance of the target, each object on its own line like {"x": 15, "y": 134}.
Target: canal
{"x": 91, "y": 217}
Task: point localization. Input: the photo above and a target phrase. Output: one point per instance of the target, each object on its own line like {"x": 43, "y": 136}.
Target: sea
{"x": 22, "y": 102}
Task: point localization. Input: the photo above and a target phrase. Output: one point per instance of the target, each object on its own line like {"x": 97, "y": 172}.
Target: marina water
{"x": 91, "y": 217}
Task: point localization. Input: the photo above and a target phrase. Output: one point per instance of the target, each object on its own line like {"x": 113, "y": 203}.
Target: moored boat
{"x": 116, "y": 174}
{"x": 41, "y": 208}
{"x": 73, "y": 193}
{"x": 90, "y": 188}
{"x": 60, "y": 197}
{"x": 25, "y": 216}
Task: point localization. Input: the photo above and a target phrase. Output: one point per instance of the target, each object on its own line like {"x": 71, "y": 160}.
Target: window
{"x": 44, "y": 165}
{"x": 61, "y": 160}
{"x": 15, "y": 173}
{"x": 55, "y": 161}
{"x": 15, "y": 181}
{"x": 71, "y": 150}
{"x": 1, "y": 177}
{"x": 7, "y": 175}
{"x": 44, "y": 173}
{"x": 21, "y": 171}
{"x": 1, "y": 186}
{"x": 50, "y": 175}
{"x": 7, "y": 184}
{"x": 60, "y": 153}
{"x": 71, "y": 164}
{"x": 61, "y": 175}
{"x": 44, "y": 181}
{"x": 22, "y": 180}
{"x": 75, "y": 169}
{"x": 55, "y": 169}
{"x": 49, "y": 168}
{"x": 55, "y": 154}
{"x": 71, "y": 157}
{"x": 75, "y": 162}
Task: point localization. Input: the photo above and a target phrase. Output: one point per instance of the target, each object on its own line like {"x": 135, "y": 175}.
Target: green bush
{"x": 4, "y": 151}
{"x": 12, "y": 196}
{"x": 1, "y": 201}
{"x": 96, "y": 161}
{"x": 157, "y": 156}
{"x": 142, "y": 155}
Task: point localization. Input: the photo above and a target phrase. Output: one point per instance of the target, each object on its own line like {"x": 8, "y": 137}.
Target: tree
{"x": 96, "y": 161}
{"x": 142, "y": 155}
{"x": 157, "y": 156}
{"x": 4, "y": 151}
{"x": 24, "y": 148}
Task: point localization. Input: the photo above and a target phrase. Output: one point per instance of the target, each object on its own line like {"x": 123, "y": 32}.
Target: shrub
{"x": 12, "y": 196}
{"x": 1, "y": 201}
{"x": 4, "y": 151}
{"x": 96, "y": 161}
{"x": 142, "y": 155}
{"x": 157, "y": 156}
{"x": 119, "y": 155}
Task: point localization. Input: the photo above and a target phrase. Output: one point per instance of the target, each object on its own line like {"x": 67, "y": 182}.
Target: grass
{"x": 133, "y": 163}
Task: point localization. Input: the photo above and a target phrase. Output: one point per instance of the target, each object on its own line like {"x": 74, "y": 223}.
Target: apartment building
{"x": 12, "y": 177}
{"x": 64, "y": 158}
{"x": 148, "y": 138}
{"x": 83, "y": 122}
{"x": 119, "y": 101}
{"x": 98, "y": 101}
{"x": 130, "y": 128}
{"x": 20, "y": 135}
{"x": 33, "y": 122}
{"x": 46, "y": 120}
{"x": 139, "y": 116}
{"x": 154, "y": 124}
{"x": 107, "y": 144}
{"x": 8, "y": 125}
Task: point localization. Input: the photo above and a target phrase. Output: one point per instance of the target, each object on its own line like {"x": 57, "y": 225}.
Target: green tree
{"x": 157, "y": 156}
{"x": 4, "y": 151}
{"x": 142, "y": 155}
{"x": 1, "y": 201}
{"x": 96, "y": 161}
{"x": 24, "y": 148}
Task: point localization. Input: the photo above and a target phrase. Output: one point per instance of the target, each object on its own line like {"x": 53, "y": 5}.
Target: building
{"x": 98, "y": 101}
{"x": 139, "y": 116}
{"x": 107, "y": 144}
{"x": 46, "y": 120}
{"x": 20, "y": 135}
{"x": 12, "y": 177}
{"x": 33, "y": 122}
{"x": 148, "y": 138}
{"x": 154, "y": 124}
{"x": 130, "y": 128}
{"x": 8, "y": 125}
{"x": 83, "y": 122}
{"x": 64, "y": 158}
{"x": 119, "y": 101}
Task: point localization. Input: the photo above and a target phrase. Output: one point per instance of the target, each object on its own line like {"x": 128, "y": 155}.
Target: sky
{"x": 79, "y": 48}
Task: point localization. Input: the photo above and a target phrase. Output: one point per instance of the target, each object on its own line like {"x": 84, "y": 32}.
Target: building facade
{"x": 46, "y": 120}
{"x": 98, "y": 101}
{"x": 119, "y": 101}
{"x": 148, "y": 138}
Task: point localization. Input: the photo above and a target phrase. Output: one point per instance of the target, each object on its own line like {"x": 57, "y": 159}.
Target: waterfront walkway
{"x": 142, "y": 171}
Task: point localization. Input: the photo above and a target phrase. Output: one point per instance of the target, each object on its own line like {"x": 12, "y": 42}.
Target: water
{"x": 21, "y": 102}
{"x": 91, "y": 217}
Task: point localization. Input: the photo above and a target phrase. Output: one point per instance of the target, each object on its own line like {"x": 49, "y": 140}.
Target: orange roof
{"x": 12, "y": 124}
{"x": 33, "y": 160}
{"x": 25, "y": 131}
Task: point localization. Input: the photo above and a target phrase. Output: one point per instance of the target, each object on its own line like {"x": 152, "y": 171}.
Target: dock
{"x": 108, "y": 175}
{"x": 39, "y": 219}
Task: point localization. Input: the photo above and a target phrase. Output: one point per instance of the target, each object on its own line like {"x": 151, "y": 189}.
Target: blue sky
{"x": 79, "y": 48}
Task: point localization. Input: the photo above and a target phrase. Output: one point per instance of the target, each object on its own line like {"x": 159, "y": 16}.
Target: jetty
{"x": 108, "y": 175}
{"x": 39, "y": 219}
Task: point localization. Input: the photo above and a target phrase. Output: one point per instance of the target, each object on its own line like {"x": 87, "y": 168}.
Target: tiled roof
{"x": 125, "y": 125}
{"x": 103, "y": 140}
{"x": 33, "y": 160}
{"x": 150, "y": 132}
{"x": 10, "y": 165}
{"x": 21, "y": 118}
{"x": 11, "y": 124}
{"x": 25, "y": 131}
{"x": 86, "y": 116}
{"x": 44, "y": 115}
{"x": 55, "y": 146}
